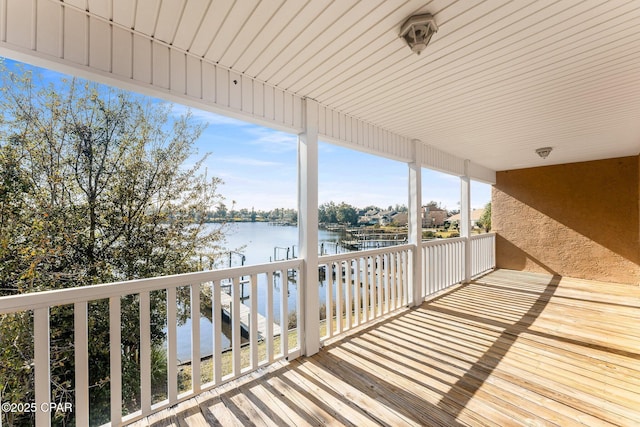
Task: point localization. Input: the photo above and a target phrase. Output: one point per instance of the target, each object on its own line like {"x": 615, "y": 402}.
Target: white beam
{"x": 415, "y": 222}
{"x": 308, "y": 228}
{"x": 465, "y": 219}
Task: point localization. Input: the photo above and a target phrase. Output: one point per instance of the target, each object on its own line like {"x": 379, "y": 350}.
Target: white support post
{"x": 415, "y": 223}
{"x": 308, "y": 228}
{"x": 465, "y": 219}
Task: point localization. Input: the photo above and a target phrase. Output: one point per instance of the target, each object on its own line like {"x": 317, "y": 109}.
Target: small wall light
{"x": 417, "y": 31}
{"x": 544, "y": 152}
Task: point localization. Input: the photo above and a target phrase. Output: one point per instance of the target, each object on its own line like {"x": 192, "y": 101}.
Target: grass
{"x": 206, "y": 364}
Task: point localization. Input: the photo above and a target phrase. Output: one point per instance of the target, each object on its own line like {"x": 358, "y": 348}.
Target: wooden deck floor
{"x": 511, "y": 348}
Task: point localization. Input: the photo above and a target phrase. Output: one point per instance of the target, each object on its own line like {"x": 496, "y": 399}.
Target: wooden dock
{"x": 226, "y": 301}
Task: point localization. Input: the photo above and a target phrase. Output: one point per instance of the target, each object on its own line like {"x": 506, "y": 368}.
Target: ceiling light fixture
{"x": 544, "y": 152}
{"x": 417, "y": 31}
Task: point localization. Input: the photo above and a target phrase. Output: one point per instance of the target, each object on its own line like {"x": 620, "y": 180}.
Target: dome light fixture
{"x": 417, "y": 31}
{"x": 544, "y": 152}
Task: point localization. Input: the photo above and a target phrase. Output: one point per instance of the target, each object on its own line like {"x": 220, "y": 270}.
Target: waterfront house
{"x": 533, "y": 324}
{"x": 474, "y": 216}
{"x": 433, "y": 216}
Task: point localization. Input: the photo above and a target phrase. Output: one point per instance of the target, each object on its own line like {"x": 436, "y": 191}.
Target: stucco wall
{"x": 580, "y": 220}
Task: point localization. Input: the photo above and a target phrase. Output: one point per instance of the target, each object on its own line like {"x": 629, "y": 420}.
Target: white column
{"x": 465, "y": 219}
{"x": 308, "y": 229}
{"x": 415, "y": 222}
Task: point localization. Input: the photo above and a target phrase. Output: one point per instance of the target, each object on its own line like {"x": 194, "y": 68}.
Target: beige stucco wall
{"x": 579, "y": 220}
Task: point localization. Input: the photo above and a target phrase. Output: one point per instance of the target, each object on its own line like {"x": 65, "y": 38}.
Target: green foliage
{"x": 93, "y": 189}
{"x": 330, "y": 213}
{"x": 485, "y": 219}
{"x": 428, "y": 234}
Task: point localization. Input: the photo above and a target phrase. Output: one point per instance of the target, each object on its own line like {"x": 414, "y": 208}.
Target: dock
{"x": 226, "y": 301}
{"x": 361, "y": 244}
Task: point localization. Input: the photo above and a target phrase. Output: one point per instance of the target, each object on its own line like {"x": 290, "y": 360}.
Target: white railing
{"x": 359, "y": 287}
{"x": 219, "y": 291}
{"x": 443, "y": 261}
{"x": 483, "y": 250}
{"x": 356, "y": 288}
{"x": 442, "y": 264}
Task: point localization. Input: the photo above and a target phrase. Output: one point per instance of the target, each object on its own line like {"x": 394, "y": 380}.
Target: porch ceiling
{"x": 498, "y": 80}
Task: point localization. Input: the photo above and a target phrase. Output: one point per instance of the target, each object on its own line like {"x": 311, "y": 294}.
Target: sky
{"x": 258, "y": 168}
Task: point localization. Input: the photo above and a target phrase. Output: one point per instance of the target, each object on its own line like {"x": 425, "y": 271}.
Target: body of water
{"x": 258, "y": 243}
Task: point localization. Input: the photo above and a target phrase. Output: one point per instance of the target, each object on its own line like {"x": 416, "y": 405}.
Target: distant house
{"x": 433, "y": 216}
{"x": 373, "y": 217}
{"x": 475, "y": 216}
{"x": 401, "y": 218}
{"x": 386, "y": 217}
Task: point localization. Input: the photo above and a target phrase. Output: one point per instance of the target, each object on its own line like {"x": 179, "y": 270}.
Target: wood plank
{"x": 445, "y": 367}
{"x": 364, "y": 398}
{"x": 272, "y": 411}
{"x": 215, "y": 412}
{"x": 342, "y": 410}
{"x": 432, "y": 402}
{"x": 496, "y": 352}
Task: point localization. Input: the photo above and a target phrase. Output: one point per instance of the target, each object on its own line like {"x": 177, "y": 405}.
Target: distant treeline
{"x": 329, "y": 213}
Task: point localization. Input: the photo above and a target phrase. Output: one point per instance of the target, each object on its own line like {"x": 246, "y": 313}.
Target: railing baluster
{"x": 235, "y": 325}
{"x": 402, "y": 290}
{"x": 386, "y": 281}
{"x": 433, "y": 269}
{"x": 145, "y": 352}
{"x": 254, "y": 322}
{"x": 115, "y": 352}
{"x": 216, "y": 316}
{"x": 447, "y": 264}
{"x": 195, "y": 338}
{"x": 379, "y": 281}
{"x": 42, "y": 364}
{"x": 357, "y": 296}
{"x": 329, "y": 301}
{"x": 349, "y": 293}
{"x": 339, "y": 294}
{"x": 81, "y": 358}
{"x": 269, "y": 317}
{"x": 458, "y": 259}
{"x": 436, "y": 268}
{"x": 284, "y": 314}
{"x": 393, "y": 280}
{"x": 172, "y": 345}
{"x": 373, "y": 283}
{"x": 425, "y": 272}
{"x": 367, "y": 301}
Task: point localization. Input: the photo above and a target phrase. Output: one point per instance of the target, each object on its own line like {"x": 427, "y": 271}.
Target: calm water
{"x": 259, "y": 243}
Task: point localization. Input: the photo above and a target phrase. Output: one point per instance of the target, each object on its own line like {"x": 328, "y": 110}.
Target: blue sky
{"x": 258, "y": 168}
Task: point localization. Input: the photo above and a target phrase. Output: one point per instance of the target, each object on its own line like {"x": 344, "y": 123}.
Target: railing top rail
{"x": 34, "y": 300}
{"x": 483, "y": 236}
{"x": 438, "y": 242}
{"x": 366, "y": 253}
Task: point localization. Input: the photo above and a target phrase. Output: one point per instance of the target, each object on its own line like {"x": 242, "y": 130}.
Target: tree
{"x": 346, "y": 214}
{"x": 485, "y": 219}
{"x": 327, "y": 213}
{"x": 93, "y": 189}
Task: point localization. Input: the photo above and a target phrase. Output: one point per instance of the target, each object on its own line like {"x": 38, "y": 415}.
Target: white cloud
{"x": 273, "y": 141}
